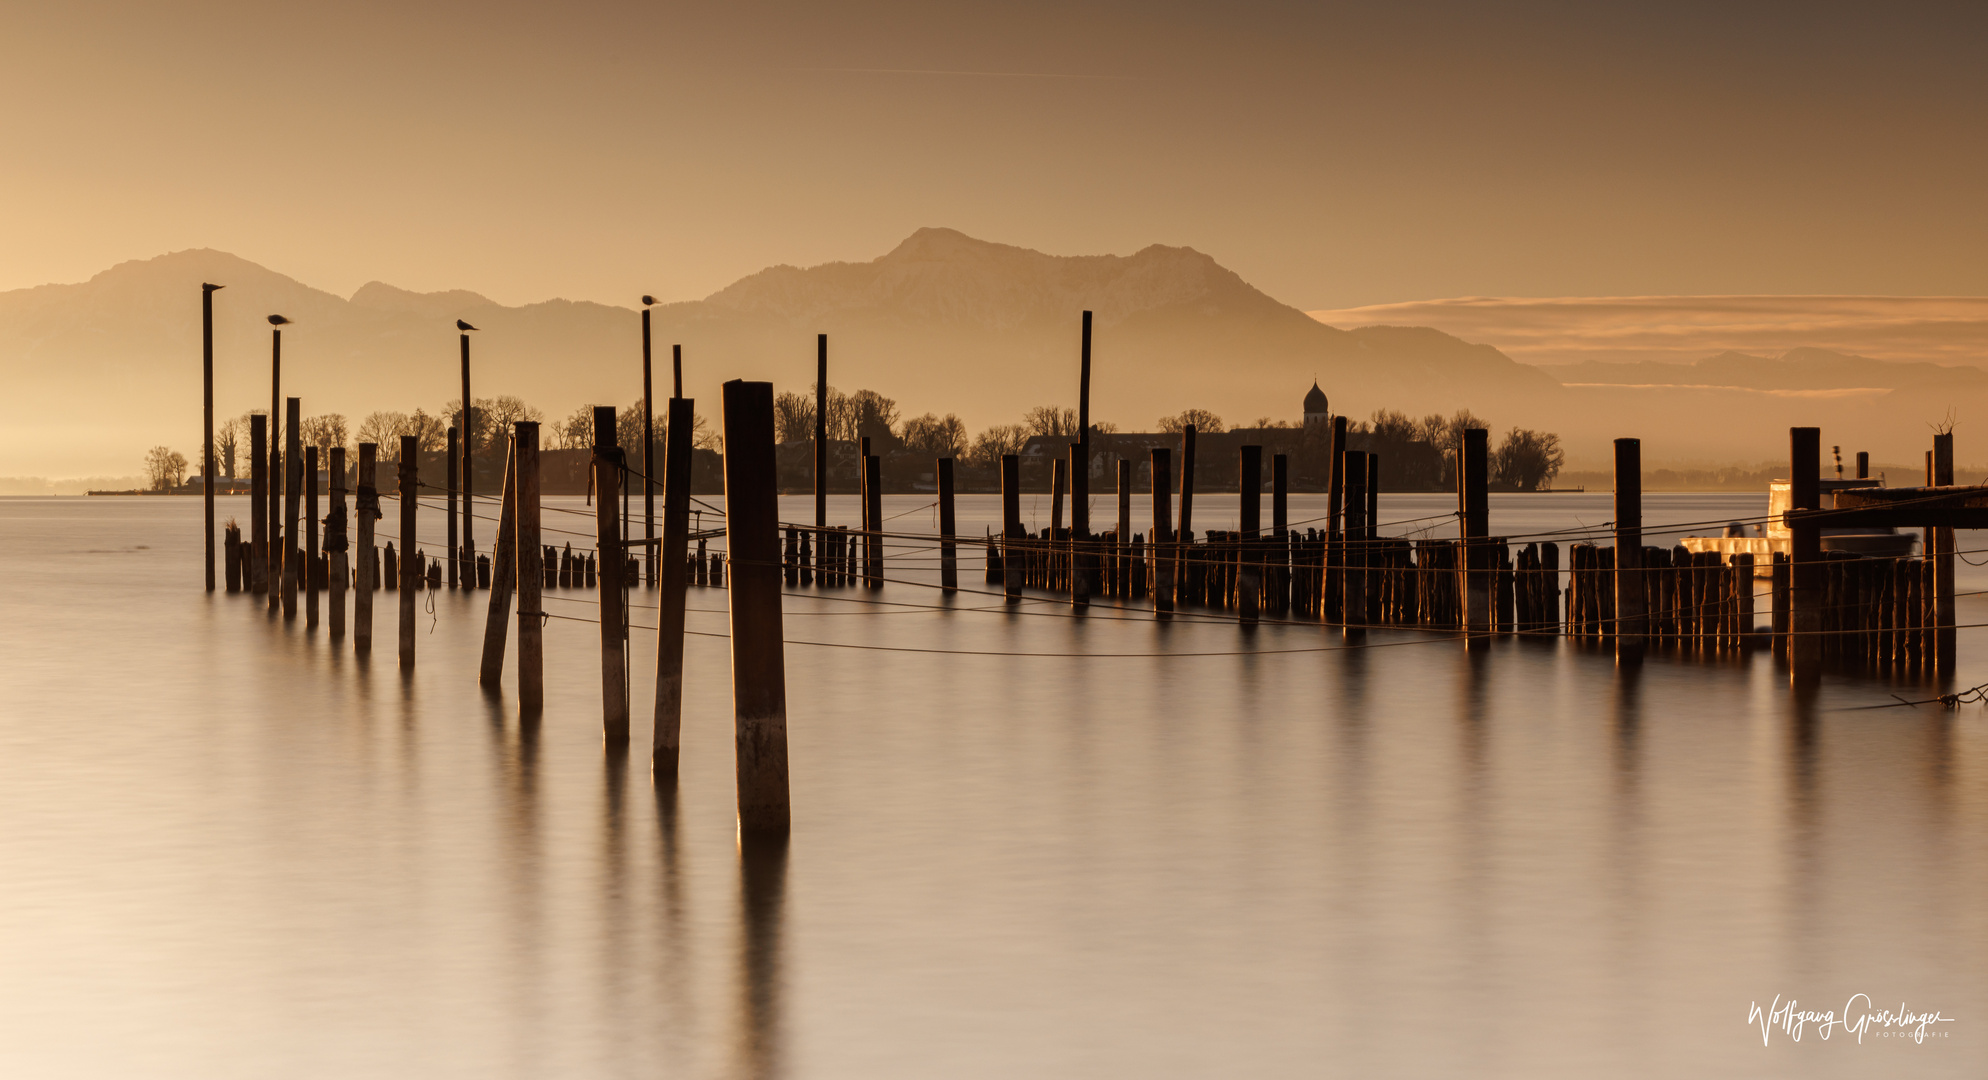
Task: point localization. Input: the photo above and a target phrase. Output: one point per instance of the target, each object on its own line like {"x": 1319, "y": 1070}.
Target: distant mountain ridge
{"x": 943, "y": 322}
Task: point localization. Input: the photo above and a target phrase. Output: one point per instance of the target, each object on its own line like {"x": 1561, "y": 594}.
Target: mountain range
{"x": 98, "y": 371}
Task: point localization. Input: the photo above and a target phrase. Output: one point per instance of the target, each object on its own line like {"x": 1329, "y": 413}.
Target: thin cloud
{"x": 972, "y": 74}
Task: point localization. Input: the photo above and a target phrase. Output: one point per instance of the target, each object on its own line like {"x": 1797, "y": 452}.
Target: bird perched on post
{"x": 211, "y": 288}
{"x": 648, "y": 301}
{"x": 277, "y": 320}
{"x": 461, "y": 325}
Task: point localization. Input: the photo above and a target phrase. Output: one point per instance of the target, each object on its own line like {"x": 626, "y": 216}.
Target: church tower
{"x": 1316, "y": 411}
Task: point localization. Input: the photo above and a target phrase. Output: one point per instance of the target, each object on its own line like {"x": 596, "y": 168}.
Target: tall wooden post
{"x": 410, "y": 490}
{"x": 1805, "y": 590}
{"x": 675, "y": 572}
{"x": 1945, "y": 637}
{"x": 1249, "y": 486}
{"x": 1059, "y": 478}
{"x": 1080, "y": 462}
{"x": 258, "y": 505}
{"x": 821, "y": 437}
{"x": 1163, "y": 547}
{"x": 337, "y": 543}
{"x": 368, "y": 511}
{"x": 1353, "y": 544}
{"x": 1335, "y": 540}
{"x": 648, "y": 457}
{"x": 273, "y": 552}
{"x": 864, "y": 536}
{"x": 948, "y": 525}
{"x": 613, "y": 612}
{"x": 1011, "y": 528}
{"x": 310, "y": 536}
{"x": 454, "y": 467}
{"x": 1280, "y": 489}
{"x": 1183, "y": 576}
{"x": 293, "y": 493}
{"x": 759, "y": 669}
{"x": 1631, "y": 618}
{"x": 207, "y": 418}
{"x": 1249, "y": 554}
{"x": 468, "y": 425}
{"x": 873, "y": 499}
{"x": 530, "y": 572}
{"x": 503, "y": 574}
{"x": 1473, "y": 468}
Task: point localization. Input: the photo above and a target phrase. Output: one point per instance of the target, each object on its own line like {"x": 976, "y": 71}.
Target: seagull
{"x": 648, "y": 300}
{"x": 277, "y": 320}
{"x": 211, "y": 288}
{"x": 461, "y": 325}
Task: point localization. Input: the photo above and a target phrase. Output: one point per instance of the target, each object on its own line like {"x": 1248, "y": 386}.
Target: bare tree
{"x": 227, "y": 443}
{"x": 936, "y": 436}
{"x": 165, "y": 469}
{"x": 794, "y": 417}
{"x": 383, "y": 429}
{"x": 1526, "y": 460}
{"x": 326, "y": 432}
{"x": 1204, "y": 422}
{"x": 995, "y": 442}
{"x": 1050, "y": 420}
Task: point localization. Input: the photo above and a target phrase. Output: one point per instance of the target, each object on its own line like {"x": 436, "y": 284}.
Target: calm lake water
{"x": 229, "y": 849}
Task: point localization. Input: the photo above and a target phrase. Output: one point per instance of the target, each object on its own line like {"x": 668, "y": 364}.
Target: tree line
{"x": 1415, "y": 454}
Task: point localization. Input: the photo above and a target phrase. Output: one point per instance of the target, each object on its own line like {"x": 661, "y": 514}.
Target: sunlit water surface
{"x": 230, "y": 849}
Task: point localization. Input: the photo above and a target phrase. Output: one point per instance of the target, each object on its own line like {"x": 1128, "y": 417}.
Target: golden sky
{"x": 1335, "y": 157}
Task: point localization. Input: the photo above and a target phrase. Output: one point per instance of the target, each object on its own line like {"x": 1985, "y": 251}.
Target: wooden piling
{"x": 1806, "y": 587}
{"x": 1631, "y": 621}
{"x": 497, "y": 618}
{"x": 1945, "y": 641}
{"x": 1165, "y": 550}
{"x": 410, "y": 487}
{"x": 1353, "y": 556}
{"x": 1185, "y": 578}
{"x": 1011, "y": 528}
{"x": 454, "y": 470}
{"x": 293, "y": 485}
{"x": 311, "y": 536}
{"x": 529, "y": 570}
{"x": 207, "y": 420}
{"x": 759, "y": 673}
{"x": 366, "y": 582}
{"x": 821, "y": 438}
{"x": 670, "y": 603}
{"x": 337, "y": 544}
{"x": 948, "y": 525}
{"x": 468, "y": 425}
{"x": 258, "y": 565}
{"x": 613, "y": 613}
{"x": 648, "y": 458}
{"x": 873, "y": 499}
{"x": 1473, "y": 479}
{"x": 271, "y": 552}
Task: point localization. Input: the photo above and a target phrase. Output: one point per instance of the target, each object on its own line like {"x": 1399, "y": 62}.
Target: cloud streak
{"x": 1567, "y": 330}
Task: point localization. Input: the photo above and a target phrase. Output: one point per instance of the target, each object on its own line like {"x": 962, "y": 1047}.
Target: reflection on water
{"x": 233, "y": 849}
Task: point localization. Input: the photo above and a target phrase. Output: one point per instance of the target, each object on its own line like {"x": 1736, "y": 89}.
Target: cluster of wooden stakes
{"x": 1473, "y": 588}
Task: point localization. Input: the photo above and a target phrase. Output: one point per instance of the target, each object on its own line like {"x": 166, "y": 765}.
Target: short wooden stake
{"x": 759, "y": 670}
{"x": 1805, "y": 589}
{"x": 337, "y": 544}
{"x": 454, "y": 474}
{"x": 1473, "y": 479}
{"x": 1164, "y": 549}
